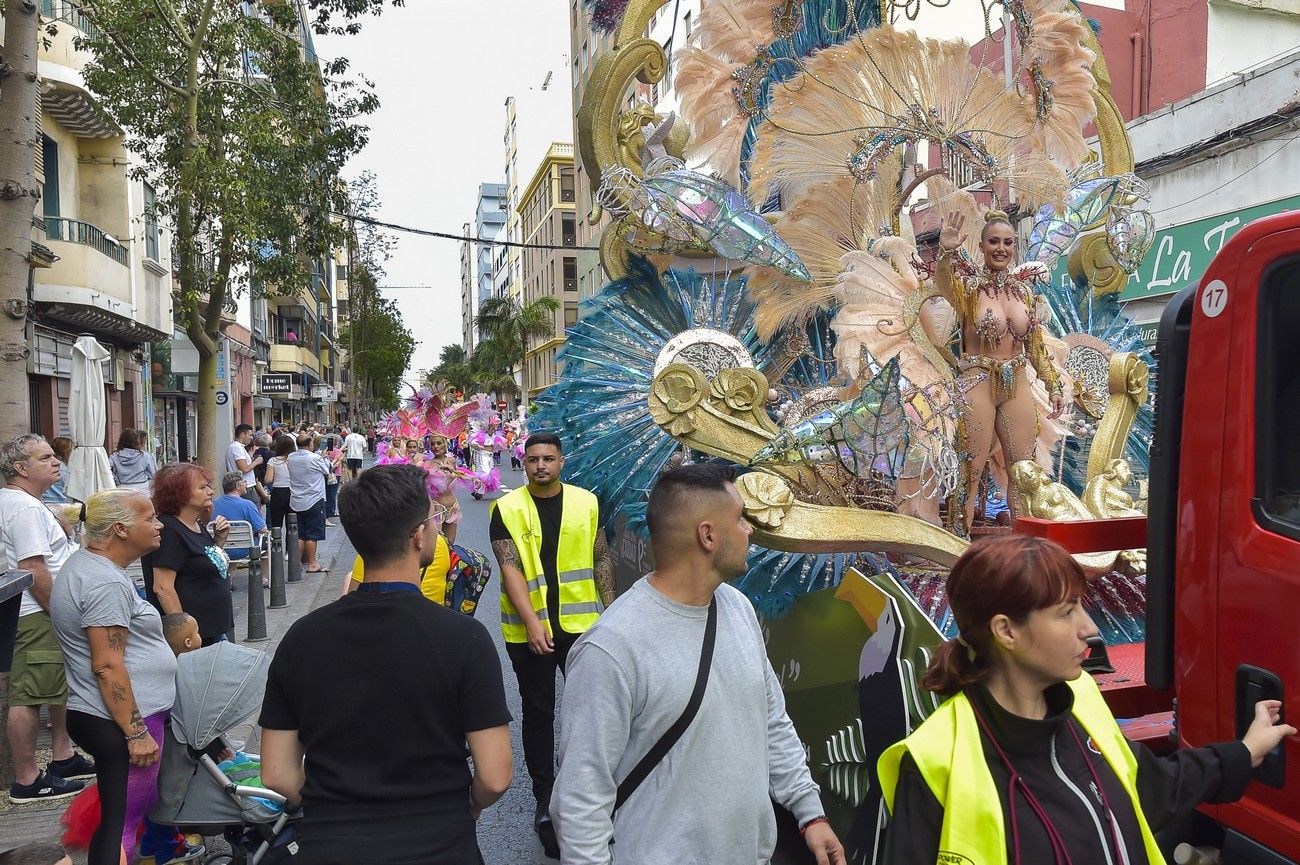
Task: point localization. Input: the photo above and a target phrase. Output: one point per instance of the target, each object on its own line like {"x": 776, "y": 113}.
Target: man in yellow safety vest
{"x": 556, "y": 579}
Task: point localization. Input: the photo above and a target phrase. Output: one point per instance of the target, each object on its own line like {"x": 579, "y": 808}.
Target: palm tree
{"x": 453, "y": 368}
{"x": 490, "y": 368}
{"x": 511, "y": 325}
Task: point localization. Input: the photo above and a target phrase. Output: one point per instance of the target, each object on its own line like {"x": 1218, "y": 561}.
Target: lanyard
{"x": 1060, "y": 853}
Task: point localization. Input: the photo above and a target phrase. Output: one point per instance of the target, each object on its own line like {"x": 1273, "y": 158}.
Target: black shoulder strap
{"x": 665, "y": 744}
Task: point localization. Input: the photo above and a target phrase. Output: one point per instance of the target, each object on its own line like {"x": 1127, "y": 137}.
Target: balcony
{"x": 76, "y": 231}
{"x": 89, "y": 265}
{"x": 69, "y": 13}
{"x": 293, "y": 358}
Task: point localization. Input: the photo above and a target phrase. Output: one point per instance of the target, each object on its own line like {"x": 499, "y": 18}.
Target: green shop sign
{"x": 1181, "y": 253}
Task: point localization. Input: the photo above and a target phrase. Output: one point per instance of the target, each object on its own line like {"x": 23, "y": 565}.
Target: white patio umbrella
{"x": 88, "y": 472}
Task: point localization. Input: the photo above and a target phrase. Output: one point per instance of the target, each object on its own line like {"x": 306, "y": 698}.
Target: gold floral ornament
{"x": 740, "y": 394}
{"x": 680, "y": 393}
{"x": 767, "y": 498}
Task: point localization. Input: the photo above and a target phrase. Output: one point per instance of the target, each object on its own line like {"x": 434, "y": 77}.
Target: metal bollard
{"x": 279, "y": 600}
{"x": 256, "y": 601}
{"x": 291, "y": 547}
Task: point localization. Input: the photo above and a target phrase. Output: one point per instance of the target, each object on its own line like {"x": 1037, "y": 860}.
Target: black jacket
{"x": 1046, "y": 755}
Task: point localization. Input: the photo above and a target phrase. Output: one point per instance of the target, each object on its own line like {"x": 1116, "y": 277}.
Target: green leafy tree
{"x": 510, "y": 326}
{"x": 490, "y": 368}
{"x": 382, "y": 345}
{"x": 242, "y": 131}
{"x": 453, "y": 368}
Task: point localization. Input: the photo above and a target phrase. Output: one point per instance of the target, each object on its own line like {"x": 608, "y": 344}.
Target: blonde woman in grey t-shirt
{"x": 121, "y": 672}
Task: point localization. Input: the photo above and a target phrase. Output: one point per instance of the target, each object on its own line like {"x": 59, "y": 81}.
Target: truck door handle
{"x": 1255, "y": 684}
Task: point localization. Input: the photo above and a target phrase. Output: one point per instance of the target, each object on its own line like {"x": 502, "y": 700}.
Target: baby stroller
{"x": 217, "y": 688}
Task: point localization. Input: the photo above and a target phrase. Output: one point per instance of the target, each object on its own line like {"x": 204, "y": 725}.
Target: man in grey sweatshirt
{"x": 630, "y": 677}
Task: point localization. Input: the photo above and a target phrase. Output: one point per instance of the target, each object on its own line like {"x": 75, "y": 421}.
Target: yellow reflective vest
{"x": 950, "y": 757}
{"x": 580, "y": 603}
{"x": 433, "y": 579}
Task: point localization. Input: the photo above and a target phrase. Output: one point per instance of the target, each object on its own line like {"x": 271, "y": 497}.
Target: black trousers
{"x": 278, "y": 507}
{"x": 536, "y": 675}
{"x": 103, "y": 741}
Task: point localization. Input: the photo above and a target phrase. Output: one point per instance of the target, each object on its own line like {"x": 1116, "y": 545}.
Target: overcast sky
{"x": 442, "y": 71}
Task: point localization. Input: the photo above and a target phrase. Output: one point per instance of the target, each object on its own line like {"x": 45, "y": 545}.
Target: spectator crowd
{"x": 385, "y": 724}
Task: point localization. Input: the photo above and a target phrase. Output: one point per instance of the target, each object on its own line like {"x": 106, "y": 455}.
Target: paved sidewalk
{"x": 23, "y": 824}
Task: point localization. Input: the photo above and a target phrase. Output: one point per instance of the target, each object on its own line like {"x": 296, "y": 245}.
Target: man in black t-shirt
{"x": 381, "y": 691}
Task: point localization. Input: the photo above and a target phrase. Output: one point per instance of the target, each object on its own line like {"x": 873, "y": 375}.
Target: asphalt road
{"x": 505, "y": 831}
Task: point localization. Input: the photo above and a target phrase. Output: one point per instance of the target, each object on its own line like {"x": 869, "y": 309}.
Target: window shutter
{"x": 40, "y": 151}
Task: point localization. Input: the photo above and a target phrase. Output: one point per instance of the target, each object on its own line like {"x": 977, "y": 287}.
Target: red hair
{"x": 1012, "y": 575}
{"x": 174, "y": 485}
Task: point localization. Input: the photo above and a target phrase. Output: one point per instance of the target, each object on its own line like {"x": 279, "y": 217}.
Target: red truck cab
{"x": 1223, "y": 531}
{"x": 1223, "y": 585}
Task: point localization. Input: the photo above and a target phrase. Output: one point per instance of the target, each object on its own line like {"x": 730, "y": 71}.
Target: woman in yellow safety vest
{"x": 433, "y": 579}
{"x": 1025, "y": 763}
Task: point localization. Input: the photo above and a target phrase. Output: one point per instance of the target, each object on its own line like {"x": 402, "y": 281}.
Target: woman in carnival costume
{"x": 444, "y": 464}
{"x": 428, "y": 413}
{"x": 834, "y": 136}
{"x": 1000, "y": 316}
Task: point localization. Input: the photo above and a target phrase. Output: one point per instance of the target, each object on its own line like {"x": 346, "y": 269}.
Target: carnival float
{"x": 835, "y": 270}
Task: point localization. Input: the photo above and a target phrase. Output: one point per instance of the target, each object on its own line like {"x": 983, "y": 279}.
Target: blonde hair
{"x": 105, "y": 509}
{"x": 992, "y": 217}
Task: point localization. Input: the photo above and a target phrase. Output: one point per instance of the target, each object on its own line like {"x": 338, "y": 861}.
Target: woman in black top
{"x": 189, "y": 571}
{"x": 1015, "y": 670}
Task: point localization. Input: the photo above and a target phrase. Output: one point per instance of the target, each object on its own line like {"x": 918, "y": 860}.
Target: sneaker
{"x": 331, "y": 523}
{"x": 75, "y": 768}
{"x": 188, "y": 853}
{"x": 46, "y": 788}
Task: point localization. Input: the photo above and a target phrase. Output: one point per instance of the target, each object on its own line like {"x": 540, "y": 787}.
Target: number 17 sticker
{"x": 1214, "y": 298}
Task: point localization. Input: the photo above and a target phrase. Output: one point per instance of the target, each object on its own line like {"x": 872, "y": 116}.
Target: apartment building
{"x": 468, "y": 304}
{"x": 586, "y": 46}
{"x": 101, "y": 260}
{"x": 535, "y": 116}
{"x": 481, "y": 260}
{"x": 548, "y": 220}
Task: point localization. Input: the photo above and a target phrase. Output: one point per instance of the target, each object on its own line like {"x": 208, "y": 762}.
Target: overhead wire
{"x": 447, "y": 235}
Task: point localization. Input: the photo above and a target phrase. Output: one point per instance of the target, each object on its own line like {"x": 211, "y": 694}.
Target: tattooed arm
{"x": 516, "y": 588}
{"x": 604, "y": 568}
{"x": 108, "y": 662}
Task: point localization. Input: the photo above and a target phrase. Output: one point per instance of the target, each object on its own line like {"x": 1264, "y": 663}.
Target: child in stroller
{"x": 217, "y": 688}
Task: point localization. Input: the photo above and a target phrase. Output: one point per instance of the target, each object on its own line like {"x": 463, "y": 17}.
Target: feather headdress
{"x": 856, "y": 103}
{"x": 832, "y": 219}
{"x": 1059, "y": 67}
{"x": 726, "y": 39}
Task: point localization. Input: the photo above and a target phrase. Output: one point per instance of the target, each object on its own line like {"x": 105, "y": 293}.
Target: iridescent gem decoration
{"x": 868, "y": 434}
{"x": 1129, "y": 234}
{"x": 720, "y": 219}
